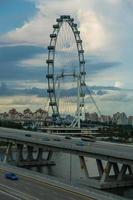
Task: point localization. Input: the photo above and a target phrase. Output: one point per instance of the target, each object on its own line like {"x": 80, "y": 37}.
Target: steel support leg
{"x": 83, "y": 165}
{"x": 130, "y": 170}
{"x": 122, "y": 172}
{"x": 40, "y": 154}
{"x": 116, "y": 169}
{"x": 100, "y": 167}
{"x": 30, "y": 153}
{"x": 50, "y": 154}
{"x": 106, "y": 172}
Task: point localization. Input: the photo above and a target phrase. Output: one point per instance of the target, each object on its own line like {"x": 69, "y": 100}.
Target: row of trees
{"x": 10, "y": 124}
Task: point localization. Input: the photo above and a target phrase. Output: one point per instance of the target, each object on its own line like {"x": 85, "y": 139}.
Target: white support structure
{"x": 8, "y": 154}
{"x": 78, "y": 101}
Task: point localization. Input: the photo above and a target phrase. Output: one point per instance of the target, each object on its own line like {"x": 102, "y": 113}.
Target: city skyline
{"x": 43, "y": 115}
{"x": 24, "y": 37}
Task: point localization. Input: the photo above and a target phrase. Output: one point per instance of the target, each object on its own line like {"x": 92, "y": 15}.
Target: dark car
{"x": 57, "y": 139}
{"x": 80, "y": 143}
{"x": 67, "y": 137}
{"x": 88, "y": 139}
{"x": 11, "y": 176}
{"x": 46, "y": 139}
{"x": 28, "y": 135}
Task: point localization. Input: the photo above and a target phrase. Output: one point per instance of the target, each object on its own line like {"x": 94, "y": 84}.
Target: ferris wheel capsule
{"x": 56, "y": 26}
{"x": 51, "y": 47}
{"x": 53, "y": 35}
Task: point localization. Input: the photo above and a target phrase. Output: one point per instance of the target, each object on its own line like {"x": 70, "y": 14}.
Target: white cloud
{"x": 115, "y": 2}
{"x": 111, "y": 102}
{"x": 118, "y": 84}
{"x": 117, "y": 96}
{"x": 92, "y": 30}
{"x": 22, "y": 102}
{"x": 37, "y": 30}
{"x": 37, "y": 61}
{"x": 99, "y": 25}
{"x": 31, "y": 32}
{"x": 97, "y": 21}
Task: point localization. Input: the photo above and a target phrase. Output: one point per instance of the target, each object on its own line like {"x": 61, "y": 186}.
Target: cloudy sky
{"x": 106, "y": 28}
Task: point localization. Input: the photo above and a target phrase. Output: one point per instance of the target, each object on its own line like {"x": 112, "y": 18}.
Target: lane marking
{"x": 7, "y": 193}
{"x": 17, "y": 193}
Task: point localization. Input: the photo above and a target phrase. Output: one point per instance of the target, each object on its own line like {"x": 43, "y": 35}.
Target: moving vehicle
{"x": 67, "y": 137}
{"x": 46, "y": 139}
{"x": 11, "y": 176}
{"x": 80, "y": 143}
{"x": 28, "y": 135}
{"x": 88, "y": 139}
{"x": 57, "y": 139}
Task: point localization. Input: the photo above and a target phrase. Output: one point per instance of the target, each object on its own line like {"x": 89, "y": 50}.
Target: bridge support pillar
{"x": 106, "y": 172}
{"x": 125, "y": 169}
{"x": 8, "y": 154}
{"x": 30, "y": 153}
{"x": 19, "y": 155}
{"x": 130, "y": 168}
{"x": 29, "y": 161}
{"x": 50, "y": 154}
{"x": 112, "y": 175}
{"x": 116, "y": 169}
{"x": 40, "y": 154}
{"x": 100, "y": 167}
{"x": 83, "y": 165}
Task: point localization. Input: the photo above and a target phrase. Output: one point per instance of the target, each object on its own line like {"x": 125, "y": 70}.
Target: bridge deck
{"x": 105, "y": 150}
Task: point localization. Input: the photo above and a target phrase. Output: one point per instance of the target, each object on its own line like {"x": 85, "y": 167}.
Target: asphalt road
{"x": 36, "y": 190}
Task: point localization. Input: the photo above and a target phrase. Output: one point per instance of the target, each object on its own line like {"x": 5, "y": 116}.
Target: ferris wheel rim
{"x": 51, "y": 61}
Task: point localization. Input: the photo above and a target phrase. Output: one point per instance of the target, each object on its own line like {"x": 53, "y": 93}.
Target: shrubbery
{"x": 10, "y": 124}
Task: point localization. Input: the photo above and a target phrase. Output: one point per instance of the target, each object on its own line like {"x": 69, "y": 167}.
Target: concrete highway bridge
{"x": 114, "y": 161}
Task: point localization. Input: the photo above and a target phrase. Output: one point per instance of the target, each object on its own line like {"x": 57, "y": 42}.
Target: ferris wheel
{"x": 66, "y": 65}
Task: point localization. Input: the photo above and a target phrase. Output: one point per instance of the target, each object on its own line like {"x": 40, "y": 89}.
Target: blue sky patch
{"x": 13, "y": 13}
{"x": 10, "y": 57}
